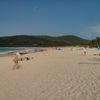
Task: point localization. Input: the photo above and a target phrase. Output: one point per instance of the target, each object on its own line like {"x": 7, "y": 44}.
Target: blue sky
{"x": 50, "y": 17}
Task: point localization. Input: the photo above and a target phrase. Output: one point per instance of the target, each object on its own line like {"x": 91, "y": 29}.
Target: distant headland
{"x": 43, "y": 41}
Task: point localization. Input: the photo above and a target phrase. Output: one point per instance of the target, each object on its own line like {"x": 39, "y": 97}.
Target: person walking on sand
{"x": 15, "y": 60}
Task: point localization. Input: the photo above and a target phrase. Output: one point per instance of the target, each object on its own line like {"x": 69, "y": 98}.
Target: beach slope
{"x": 52, "y": 75}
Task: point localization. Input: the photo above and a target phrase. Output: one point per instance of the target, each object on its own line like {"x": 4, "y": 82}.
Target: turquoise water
{"x": 8, "y": 49}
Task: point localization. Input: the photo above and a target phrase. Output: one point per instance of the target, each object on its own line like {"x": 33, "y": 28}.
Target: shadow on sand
{"x": 17, "y": 67}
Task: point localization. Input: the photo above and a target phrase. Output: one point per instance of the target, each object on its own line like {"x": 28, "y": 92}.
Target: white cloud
{"x": 91, "y": 32}
{"x": 95, "y": 28}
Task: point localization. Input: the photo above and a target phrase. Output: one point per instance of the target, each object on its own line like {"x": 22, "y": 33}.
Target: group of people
{"x": 18, "y": 57}
{"x": 84, "y": 49}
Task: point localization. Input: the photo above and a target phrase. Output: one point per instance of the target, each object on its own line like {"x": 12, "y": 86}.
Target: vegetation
{"x": 26, "y": 41}
{"x": 95, "y": 42}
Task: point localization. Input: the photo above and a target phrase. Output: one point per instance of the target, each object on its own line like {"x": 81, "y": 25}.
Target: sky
{"x": 50, "y": 17}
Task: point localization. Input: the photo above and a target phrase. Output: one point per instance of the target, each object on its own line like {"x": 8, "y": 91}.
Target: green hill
{"x": 25, "y": 40}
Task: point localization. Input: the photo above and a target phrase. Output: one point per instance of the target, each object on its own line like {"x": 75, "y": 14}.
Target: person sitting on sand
{"x": 28, "y": 58}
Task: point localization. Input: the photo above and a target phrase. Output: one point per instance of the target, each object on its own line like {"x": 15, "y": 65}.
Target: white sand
{"x": 52, "y": 75}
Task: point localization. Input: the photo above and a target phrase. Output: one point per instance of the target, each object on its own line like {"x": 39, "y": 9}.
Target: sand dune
{"x": 52, "y": 75}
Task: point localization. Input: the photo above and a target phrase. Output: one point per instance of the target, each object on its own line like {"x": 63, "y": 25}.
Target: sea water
{"x": 9, "y": 50}
{"x": 6, "y": 50}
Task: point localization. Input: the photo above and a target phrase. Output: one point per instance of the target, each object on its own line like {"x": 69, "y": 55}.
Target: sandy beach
{"x": 52, "y": 75}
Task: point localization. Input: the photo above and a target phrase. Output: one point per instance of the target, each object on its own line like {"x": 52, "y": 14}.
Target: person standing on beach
{"x": 84, "y": 50}
{"x": 15, "y": 60}
{"x": 19, "y": 56}
{"x": 71, "y": 49}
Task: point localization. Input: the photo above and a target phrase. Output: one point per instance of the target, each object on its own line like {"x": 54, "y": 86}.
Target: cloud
{"x": 91, "y": 32}
{"x": 96, "y": 28}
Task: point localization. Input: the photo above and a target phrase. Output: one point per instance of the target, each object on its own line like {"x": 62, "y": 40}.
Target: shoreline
{"x": 21, "y": 50}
